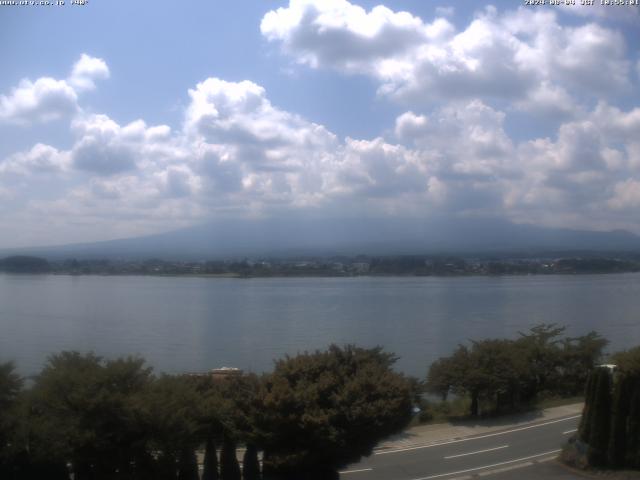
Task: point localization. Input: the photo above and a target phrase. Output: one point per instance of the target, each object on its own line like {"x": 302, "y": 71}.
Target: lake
{"x": 193, "y": 324}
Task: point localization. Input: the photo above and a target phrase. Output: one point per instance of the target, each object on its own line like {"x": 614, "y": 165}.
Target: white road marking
{"x": 487, "y": 466}
{"x": 570, "y": 431}
{"x": 385, "y": 452}
{"x": 355, "y": 471}
{"x": 479, "y": 451}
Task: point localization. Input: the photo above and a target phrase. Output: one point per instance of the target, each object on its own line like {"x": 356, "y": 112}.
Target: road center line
{"x": 537, "y": 425}
{"x": 487, "y": 466}
{"x": 355, "y": 471}
{"x": 570, "y": 431}
{"x": 479, "y": 451}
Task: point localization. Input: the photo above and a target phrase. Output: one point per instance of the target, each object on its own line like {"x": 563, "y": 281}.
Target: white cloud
{"x": 626, "y": 195}
{"x": 86, "y": 70}
{"x": 549, "y": 101}
{"x": 48, "y": 99}
{"x": 338, "y": 34}
{"x": 105, "y": 148}
{"x": 44, "y": 100}
{"x": 462, "y": 139}
{"x": 238, "y": 154}
{"x": 507, "y": 55}
{"x": 39, "y": 159}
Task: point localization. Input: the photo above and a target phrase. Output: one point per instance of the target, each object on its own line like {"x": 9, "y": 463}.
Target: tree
{"x": 628, "y": 360}
{"x": 82, "y": 410}
{"x": 250, "y": 463}
{"x": 542, "y": 354}
{"x": 579, "y": 356}
{"x": 491, "y": 370}
{"x": 619, "y": 416}
{"x": 188, "y": 465}
{"x": 326, "y": 409}
{"x": 210, "y": 468}
{"x": 10, "y": 388}
{"x": 229, "y": 467}
{"x": 600, "y": 419}
{"x": 441, "y": 377}
{"x": 632, "y": 456}
{"x": 584, "y": 430}
{"x": 171, "y": 410}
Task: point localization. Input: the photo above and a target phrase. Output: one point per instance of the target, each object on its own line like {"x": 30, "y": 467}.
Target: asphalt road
{"x": 468, "y": 456}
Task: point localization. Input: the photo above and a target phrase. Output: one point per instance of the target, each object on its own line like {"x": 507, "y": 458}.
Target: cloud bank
{"x": 235, "y": 153}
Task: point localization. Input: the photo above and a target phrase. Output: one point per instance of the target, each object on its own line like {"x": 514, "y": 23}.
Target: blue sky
{"x": 126, "y": 118}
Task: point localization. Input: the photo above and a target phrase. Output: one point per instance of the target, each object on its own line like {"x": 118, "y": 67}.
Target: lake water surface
{"x": 193, "y": 324}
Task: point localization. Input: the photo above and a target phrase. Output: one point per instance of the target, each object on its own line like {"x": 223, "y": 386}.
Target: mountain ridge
{"x": 322, "y": 237}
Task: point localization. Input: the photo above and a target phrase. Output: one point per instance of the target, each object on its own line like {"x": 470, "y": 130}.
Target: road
{"x": 469, "y": 456}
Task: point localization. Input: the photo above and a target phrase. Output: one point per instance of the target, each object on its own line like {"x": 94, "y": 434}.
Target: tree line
{"x": 94, "y": 418}
{"x": 506, "y": 374}
{"x": 313, "y": 414}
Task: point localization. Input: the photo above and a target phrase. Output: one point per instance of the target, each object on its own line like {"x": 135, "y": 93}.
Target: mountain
{"x": 306, "y": 236}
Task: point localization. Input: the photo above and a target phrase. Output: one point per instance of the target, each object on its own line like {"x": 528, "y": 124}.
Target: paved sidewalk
{"x": 442, "y": 432}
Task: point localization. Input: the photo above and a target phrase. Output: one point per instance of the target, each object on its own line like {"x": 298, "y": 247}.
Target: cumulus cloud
{"x": 236, "y": 153}
{"x": 626, "y": 195}
{"x": 47, "y": 99}
{"x": 39, "y": 159}
{"x": 239, "y": 154}
{"x": 44, "y": 100}
{"x": 104, "y": 147}
{"x": 507, "y": 56}
{"x": 86, "y": 70}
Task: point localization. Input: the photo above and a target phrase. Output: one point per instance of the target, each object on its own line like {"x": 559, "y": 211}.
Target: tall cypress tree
{"x": 632, "y": 457}
{"x": 601, "y": 419}
{"x": 210, "y": 471}
{"x": 250, "y": 464}
{"x": 619, "y": 414}
{"x": 188, "y": 465}
{"x": 584, "y": 431}
{"x": 229, "y": 467}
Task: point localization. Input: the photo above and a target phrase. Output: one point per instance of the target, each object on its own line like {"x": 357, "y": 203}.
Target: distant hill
{"x": 293, "y": 237}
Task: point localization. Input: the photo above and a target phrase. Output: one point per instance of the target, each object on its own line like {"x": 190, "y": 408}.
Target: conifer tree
{"x": 250, "y": 464}
{"x": 210, "y": 471}
{"x": 601, "y": 419}
{"x": 188, "y": 465}
{"x": 619, "y": 416}
{"x": 229, "y": 467}
{"x": 584, "y": 431}
{"x": 632, "y": 457}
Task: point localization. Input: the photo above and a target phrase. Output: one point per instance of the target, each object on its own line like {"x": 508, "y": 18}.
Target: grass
{"x": 458, "y": 408}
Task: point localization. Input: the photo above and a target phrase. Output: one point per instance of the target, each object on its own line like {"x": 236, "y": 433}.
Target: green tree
{"x": 628, "y": 360}
{"x": 188, "y": 465}
{"x": 229, "y": 466}
{"x": 326, "y": 409}
{"x": 600, "y": 419}
{"x": 82, "y": 411}
{"x": 10, "y": 387}
{"x": 579, "y": 356}
{"x": 250, "y": 463}
{"x": 171, "y": 413}
{"x": 619, "y": 416}
{"x": 632, "y": 456}
{"x": 540, "y": 348}
{"x": 210, "y": 467}
{"x": 441, "y": 377}
{"x": 490, "y": 370}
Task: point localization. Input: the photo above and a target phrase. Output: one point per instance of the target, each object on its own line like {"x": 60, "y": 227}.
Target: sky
{"x": 120, "y": 119}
